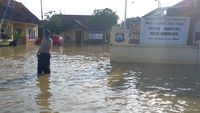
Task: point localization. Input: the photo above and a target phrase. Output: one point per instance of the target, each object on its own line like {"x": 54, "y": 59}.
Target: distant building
{"x": 133, "y": 24}
{"x": 185, "y": 8}
{"x": 15, "y": 17}
{"x": 167, "y": 36}
{"x": 78, "y": 30}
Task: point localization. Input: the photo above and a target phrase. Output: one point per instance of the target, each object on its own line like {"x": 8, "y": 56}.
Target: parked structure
{"x": 15, "y": 17}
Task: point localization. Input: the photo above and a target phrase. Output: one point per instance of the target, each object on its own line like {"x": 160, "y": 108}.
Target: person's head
{"x": 47, "y": 32}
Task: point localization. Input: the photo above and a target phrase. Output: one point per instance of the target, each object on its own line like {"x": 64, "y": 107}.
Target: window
{"x": 31, "y": 34}
{"x": 197, "y": 36}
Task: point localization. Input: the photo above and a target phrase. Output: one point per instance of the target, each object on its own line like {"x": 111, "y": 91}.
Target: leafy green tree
{"x": 103, "y": 19}
{"x": 55, "y": 24}
{"x": 17, "y": 35}
{"x": 49, "y": 14}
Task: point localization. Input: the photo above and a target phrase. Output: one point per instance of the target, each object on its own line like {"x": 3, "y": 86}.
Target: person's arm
{"x": 38, "y": 53}
{"x": 43, "y": 40}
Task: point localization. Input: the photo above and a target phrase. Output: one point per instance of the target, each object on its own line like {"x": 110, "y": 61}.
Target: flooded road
{"x": 83, "y": 80}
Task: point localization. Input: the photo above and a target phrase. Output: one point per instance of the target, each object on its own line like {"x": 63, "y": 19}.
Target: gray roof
{"x": 16, "y": 11}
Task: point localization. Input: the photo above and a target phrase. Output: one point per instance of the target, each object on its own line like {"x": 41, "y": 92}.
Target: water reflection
{"x": 156, "y": 87}
{"x": 6, "y": 52}
{"x": 116, "y": 79}
{"x": 122, "y": 93}
{"x": 43, "y": 98}
{"x": 16, "y": 52}
{"x": 171, "y": 78}
{"x": 83, "y": 80}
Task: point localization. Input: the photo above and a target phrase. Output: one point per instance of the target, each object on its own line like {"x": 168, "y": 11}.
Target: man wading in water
{"x": 44, "y": 55}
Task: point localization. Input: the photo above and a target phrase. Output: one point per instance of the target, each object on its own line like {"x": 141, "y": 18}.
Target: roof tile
{"x": 17, "y": 12}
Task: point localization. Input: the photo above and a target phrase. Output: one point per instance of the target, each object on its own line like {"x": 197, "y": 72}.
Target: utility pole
{"x": 41, "y": 10}
{"x": 125, "y": 13}
{"x": 42, "y": 18}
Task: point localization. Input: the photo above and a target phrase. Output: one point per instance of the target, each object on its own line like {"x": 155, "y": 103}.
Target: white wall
{"x": 155, "y": 54}
{"x": 119, "y": 30}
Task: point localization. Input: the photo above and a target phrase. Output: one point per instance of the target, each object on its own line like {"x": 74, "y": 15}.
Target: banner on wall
{"x": 95, "y": 36}
{"x": 164, "y": 30}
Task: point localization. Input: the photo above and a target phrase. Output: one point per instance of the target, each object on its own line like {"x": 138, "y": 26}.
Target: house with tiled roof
{"x": 15, "y": 17}
{"x": 76, "y": 28}
{"x": 79, "y": 31}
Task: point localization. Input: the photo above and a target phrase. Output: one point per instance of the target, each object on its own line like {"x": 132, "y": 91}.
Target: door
{"x": 78, "y": 37}
{"x": 197, "y": 33}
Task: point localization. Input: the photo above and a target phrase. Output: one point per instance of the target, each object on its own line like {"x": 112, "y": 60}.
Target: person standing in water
{"x": 44, "y": 54}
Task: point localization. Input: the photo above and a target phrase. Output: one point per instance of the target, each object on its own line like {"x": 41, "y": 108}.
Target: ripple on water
{"x": 84, "y": 80}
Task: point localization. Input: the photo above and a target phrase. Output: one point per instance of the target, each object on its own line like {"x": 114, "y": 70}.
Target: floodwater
{"x": 83, "y": 80}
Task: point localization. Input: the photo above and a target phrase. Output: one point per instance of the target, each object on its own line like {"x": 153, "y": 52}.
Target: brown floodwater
{"x": 83, "y": 80}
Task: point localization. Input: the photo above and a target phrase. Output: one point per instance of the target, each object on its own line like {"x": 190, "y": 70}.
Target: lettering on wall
{"x": 164, "y": 30}
{"x": 95, "y": 36}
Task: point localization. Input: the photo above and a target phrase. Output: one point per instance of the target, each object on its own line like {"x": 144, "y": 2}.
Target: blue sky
{"x": 86, "y": 7}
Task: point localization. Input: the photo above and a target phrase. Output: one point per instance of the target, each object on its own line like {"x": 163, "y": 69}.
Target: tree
{"x": 17, "y": 35}
{"x": 49, "y": 14}
{"x": 103, "y": 19}
{"x": 54, "y": 24}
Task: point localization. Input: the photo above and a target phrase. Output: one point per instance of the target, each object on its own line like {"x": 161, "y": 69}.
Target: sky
{"x": 86, "y": 7}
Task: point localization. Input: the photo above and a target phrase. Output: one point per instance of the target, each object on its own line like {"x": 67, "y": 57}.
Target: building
{"x": 185, "y": 8}
{"x": 78, "y": 30}
{"x": 133, "y": 24}
{"x": 189, "y": 8}
{"x": 168, "y": 36}
{"x": 15, "y": 17}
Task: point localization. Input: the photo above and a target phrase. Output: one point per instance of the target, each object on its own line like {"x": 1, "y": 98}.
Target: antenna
{"x": 159, "y": 3}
